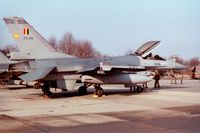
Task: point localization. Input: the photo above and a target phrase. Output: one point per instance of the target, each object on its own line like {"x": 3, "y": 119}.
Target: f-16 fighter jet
{"x": 56, "y": 69}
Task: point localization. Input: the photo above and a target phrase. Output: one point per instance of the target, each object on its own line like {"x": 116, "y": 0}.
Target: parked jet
{"x": 57, "y": 69}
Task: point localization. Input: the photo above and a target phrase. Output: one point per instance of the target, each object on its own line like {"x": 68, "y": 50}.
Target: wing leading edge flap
{"x": 37, "y": 74}
{"x": 125, "y": 68}
{"x": 86, "y": 70}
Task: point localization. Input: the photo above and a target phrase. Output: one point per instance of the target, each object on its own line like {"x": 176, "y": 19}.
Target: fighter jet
{"x": 56, "y": 69}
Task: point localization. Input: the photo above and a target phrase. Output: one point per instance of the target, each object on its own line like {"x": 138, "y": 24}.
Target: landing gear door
{"x": 66, "y": 84}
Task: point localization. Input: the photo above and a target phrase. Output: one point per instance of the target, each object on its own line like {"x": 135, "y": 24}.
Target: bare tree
{"x": 53, "y": 42}
{"x": 194, "y": 61}
{"x": 9, "y": 48}
{"x": 67, "y": 44}
{"x": 180, "y": 60}
{"x": 87, "y": 49}
{"x": 79, "y": 48}
{"x": 129, "y": 51}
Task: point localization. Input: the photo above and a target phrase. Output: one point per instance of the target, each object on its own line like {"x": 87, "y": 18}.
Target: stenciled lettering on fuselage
{"x": 157, "y": 64}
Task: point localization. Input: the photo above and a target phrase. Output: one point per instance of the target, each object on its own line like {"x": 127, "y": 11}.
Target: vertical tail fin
{"x": 27, "y": 38}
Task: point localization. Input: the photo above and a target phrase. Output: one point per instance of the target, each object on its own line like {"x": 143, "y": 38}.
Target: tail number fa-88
{"x": 28, "y": 38}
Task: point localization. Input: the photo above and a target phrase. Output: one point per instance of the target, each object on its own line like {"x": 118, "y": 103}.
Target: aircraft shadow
{"x": 13, "y": 87}
{"x": 172, "y": 87}
{"x": 107, "y": 92}
{"x": 57, "y": 95}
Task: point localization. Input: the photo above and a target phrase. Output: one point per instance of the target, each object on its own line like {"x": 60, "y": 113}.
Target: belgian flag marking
{"x": 26, "y": 31}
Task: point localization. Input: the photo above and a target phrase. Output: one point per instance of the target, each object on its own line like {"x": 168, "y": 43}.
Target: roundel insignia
{"x": 15, "y": 36}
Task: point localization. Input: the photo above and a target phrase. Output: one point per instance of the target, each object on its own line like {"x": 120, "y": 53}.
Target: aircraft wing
{"x": 4, "y": 67}
{"x": 37, "y": 74}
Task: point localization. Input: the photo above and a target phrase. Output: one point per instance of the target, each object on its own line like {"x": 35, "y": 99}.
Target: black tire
{"x": 138, "y": 89}
{"x": 82, "y": 90}
{"x": 141, "y": 89}
{"x": 49, "y": 93}
{"x": 46, "y": 89}
{"x": 99, "y": 92}
{"x": 3, "y": 83}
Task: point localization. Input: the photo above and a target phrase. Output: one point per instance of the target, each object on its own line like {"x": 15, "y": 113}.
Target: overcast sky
{"x": 113, "y": 26}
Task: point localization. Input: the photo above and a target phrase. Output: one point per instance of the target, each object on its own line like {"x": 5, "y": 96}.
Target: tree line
{"x": 84, "y": 49}
{"x": 190, "y": 63}
{"x": 67, "y": 44}
{"x": 75, "y": 47}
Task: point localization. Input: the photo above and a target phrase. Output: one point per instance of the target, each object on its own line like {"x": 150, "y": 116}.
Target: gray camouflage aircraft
{"x": 56, "y": 69}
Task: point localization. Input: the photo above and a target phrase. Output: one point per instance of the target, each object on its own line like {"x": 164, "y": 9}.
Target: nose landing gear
{"x": 98, "y": 90}
{"x": 137, "y": 89}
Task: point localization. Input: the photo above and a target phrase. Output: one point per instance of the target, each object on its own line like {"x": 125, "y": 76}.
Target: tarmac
{"x": 173, "y": 108}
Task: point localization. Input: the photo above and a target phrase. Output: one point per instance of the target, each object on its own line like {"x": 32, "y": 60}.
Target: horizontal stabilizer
{"x": 4, "y": 68}
{"x": 37, "y": 74}
{"x": 2, "y": 71}
{"x": 3, "y": 58}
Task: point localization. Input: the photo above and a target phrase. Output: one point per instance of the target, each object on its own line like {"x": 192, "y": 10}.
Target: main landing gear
{"x": 3, "y": 82}
{"x": 46, "y": 89}
{"x": 137, "y": 89}
{"x": 82, "y": 90}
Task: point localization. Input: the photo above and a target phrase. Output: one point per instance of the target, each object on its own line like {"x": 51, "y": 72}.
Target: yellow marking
{"x": 15, "y": 36}
{"x": 96, "y": 96}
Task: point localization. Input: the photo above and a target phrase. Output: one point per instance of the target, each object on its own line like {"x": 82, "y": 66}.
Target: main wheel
{"x": 139, "y": 89}
{"x": 3, "y": 83}
{"x": 37, "y": 86}
{"x": 82, "y": 90}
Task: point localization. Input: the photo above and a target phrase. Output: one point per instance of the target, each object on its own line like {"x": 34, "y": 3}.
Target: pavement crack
{"x": 26, "y": 122}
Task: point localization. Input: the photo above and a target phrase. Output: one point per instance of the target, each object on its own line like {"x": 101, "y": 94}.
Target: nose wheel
{"x": 37, "y": 85}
